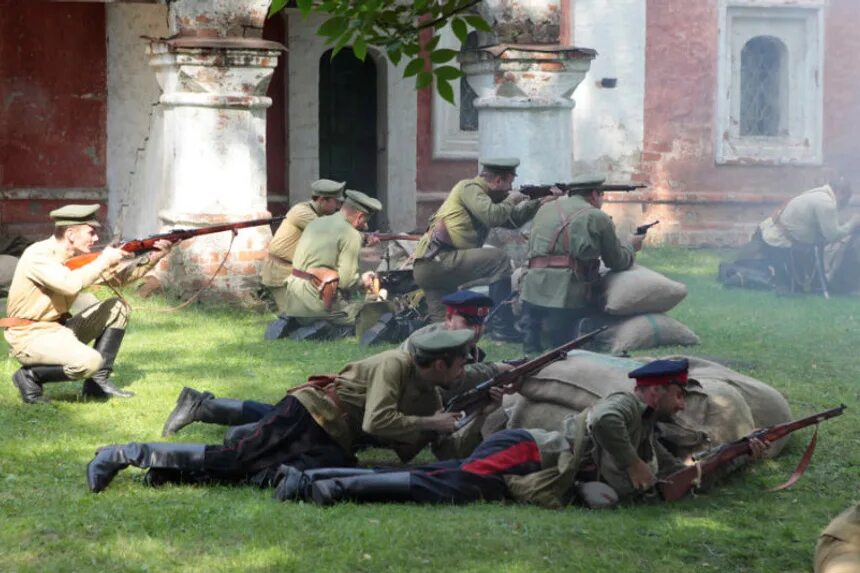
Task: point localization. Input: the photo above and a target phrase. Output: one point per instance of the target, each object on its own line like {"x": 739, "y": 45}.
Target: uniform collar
{"x": 482, "y": 183}
{"x": 58, "y": 251}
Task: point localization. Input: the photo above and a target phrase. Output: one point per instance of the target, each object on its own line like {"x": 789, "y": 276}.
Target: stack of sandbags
{"x": 728, "y": 405}
{"x": 634, "y": 302}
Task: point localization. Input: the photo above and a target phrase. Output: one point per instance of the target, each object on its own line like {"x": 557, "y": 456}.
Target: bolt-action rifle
{"x": 539, "y": 191}
{"x": 141, "y": 246}
{"x": 643, "y": 229}
{"x": 707, "y": 463}
{"x": 393, "y": 236}
{"x": 472, "y": 401}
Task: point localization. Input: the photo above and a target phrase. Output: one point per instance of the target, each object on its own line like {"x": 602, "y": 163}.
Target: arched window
{"x": 763, "y": 87}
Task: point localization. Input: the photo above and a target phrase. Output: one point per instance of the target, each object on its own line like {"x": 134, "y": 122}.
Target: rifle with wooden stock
{"x": 472, "y": 401}
{"x": 707, "y": 463}
{"x": 140, "y": 246}
{"x": 540, "y": 191}
{"x": 392, "y": 236}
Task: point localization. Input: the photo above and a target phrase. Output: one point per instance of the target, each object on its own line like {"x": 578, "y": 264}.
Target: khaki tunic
{"x": 469, "y": 213}
{"x": 590, "y": 235}
{"x": 809, "y": 218}
{"x": 275, "y": 271}
{"x": 329, "y": 242}
{"x": 618, "y": 429}
{"x": 838, "y": 549}
{"x": 387, "y": 404}
{"x": 43, "y": 289}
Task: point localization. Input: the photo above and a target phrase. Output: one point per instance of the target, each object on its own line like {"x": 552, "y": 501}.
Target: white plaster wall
{"x": 132, "y": 178}
{"x": 609, "y": 124}
{"x": 397, "y": 127}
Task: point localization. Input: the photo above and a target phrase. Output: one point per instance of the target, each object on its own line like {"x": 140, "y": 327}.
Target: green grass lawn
{"x": 806, "y": 347}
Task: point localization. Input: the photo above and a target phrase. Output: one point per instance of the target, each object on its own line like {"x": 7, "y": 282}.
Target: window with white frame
{"x": 455, "y": 127}
{"x": 770, "y": 82}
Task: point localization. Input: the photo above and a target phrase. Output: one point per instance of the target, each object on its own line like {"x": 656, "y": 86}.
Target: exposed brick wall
{"x": 53, "y": 118}
{"x": 720, "y": 204}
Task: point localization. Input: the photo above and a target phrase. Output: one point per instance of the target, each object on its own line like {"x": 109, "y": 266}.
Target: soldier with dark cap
{"x": 50, "y": 344}
{"x": 389, "y": 400}
{"x": 331, "y": 244}
{"x": 599, "y": 455}
{"x": 451, "y": 252}
{"x": 567, "y": 243}
{"x": 326, "y": 198}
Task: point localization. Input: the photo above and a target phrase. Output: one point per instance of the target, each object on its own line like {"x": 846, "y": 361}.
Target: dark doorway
{"x": 347, "y": 121}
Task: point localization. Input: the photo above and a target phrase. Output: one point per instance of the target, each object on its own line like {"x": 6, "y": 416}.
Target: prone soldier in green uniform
{"x": 50, "y": 344}
{"x": 326, "y": 197}
{"x": 325, "y": 267}
{"x": 389, "y": 400}
{"x": 568, "y": 240}
{"x": 450, "y": 253}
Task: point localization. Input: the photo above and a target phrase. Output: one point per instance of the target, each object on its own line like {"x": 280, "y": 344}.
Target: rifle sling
{"x": 802, "y": 465}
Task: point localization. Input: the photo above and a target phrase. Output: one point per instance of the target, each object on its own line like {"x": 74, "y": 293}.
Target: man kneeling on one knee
{"x": 50, "y": 344}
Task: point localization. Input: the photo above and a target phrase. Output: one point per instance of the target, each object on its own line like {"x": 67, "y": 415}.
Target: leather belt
{"x": 550, "y": 262}
{"x": 305, "y": 276}
{"x": 14, "y": 322}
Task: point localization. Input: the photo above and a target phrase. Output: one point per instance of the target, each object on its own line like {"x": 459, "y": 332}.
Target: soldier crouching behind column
{"x": 451, "y": 252}
{"x": 325, "y": 269}
{"x": 49, "y": 343}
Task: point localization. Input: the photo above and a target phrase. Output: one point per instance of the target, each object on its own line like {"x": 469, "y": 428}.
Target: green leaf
{"x": 445, "y": 90}
{"x": 333, "y": 27}
{"x": 423, "y": 80}
{"x": 359, "y": 48}
{"x": 410, "y": 49}
{"x": 459, "y": 29}
{"x": 414, "y": 67}
{"x": 443, "y": 55}
{"x": 305, "y": 6}
{"x": 432, "y": 43}
{"x": 394, "y": 54}
{"x": 478, "y": 23}
{"x": 278, "y": 5}
{"x": 447, "y": 73}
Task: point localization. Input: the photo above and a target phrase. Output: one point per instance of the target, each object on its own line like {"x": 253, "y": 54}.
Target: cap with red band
{"x": 469, "y": 304}
{"x": 662, "y": 373}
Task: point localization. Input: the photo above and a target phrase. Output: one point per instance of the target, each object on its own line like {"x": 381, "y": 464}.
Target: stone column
{"x": 213, "y": 85}
{"x": 524, "y": 105}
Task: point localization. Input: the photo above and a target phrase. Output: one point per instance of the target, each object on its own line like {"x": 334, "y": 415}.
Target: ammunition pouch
{"x": 586, "y": 272}
{"x": 324, "y": 280}
{"x": 440, "y": 240}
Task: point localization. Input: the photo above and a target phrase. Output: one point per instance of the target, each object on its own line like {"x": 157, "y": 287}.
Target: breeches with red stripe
{"x": 481, "y": 475}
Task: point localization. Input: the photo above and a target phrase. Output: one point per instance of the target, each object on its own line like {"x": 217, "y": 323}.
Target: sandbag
{"x": 640, "y": 290}
{"x": 643, "y": 331}
{"x": 728, "y": 405}
{"x": 7, "y": 270}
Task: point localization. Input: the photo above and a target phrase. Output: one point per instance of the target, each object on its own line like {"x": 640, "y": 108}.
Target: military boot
{"x": 29, "y": 380}
{"x": 386, "y": 486}
{"x": 185, "y": 411}
{"x": 108, "y": 346}
{"x": 111, "y": 459}
{"x": 501, "y": 326}
{"x": 293, "y": 484}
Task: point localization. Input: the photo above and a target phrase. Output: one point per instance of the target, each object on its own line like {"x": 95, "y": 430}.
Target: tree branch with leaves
{"x": 403, "y": 31}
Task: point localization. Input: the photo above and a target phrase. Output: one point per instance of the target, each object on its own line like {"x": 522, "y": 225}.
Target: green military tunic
{"x": 43, "y": 290}
{"x": 329, "y": 242}
{"x": 588, "y": 236}
{"x": 468, "y": 214}
{"x": 611, "y": 435}
{"x": 282, "y": 249}
{"x": 386, "y": 403}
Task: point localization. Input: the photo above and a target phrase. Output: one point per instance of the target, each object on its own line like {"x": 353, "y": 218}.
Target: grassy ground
{"x": 805, "y": 347}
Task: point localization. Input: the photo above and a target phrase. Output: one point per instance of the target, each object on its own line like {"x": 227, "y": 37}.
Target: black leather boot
{"x": 501, "y": 326}
{"x": 108, "y": 346}
{"x": 185, "y": 412}
{"x": 29, "y": 380}
{"x": 294, "y": 484}
{"x": 386, "y": 486}
{"x": 111, "y": 459}
{"x": 533, "y": 325}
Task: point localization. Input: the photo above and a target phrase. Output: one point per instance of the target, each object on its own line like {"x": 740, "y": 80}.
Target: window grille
{"x": 762, "y": 97}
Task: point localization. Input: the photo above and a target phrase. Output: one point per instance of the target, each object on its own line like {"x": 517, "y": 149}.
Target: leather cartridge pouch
{"x": 440, "y": 240}
{"x": 324, "y": 280}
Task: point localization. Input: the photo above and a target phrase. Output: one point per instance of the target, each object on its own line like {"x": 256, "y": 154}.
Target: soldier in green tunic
{"x": 326, "y": 198}
{"x": 568, "y": 240}
{"x": 450, "y": 253}
{"x": 332, "y": 243}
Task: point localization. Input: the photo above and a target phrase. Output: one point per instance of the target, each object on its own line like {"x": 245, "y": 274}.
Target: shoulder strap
{"x": 565, "y": 223}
